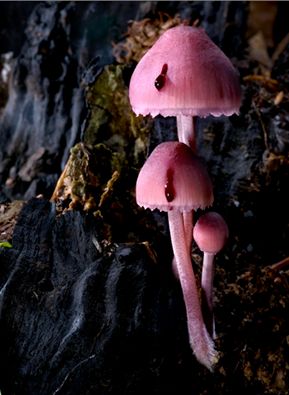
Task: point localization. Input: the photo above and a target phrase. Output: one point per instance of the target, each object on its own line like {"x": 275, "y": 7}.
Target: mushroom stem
{"x": 186, "y": 131}
{"x": 186, "y": 135}
{"x": 207, "y": 291}
{"x": 188, "y": 225}
{"x": 188, "y": 228}
{"x": 200, "y": 341}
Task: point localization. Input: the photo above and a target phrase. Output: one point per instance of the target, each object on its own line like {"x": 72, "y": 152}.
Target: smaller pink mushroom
{"x": 210, "y": 233}
{"x": 173, "y": 179}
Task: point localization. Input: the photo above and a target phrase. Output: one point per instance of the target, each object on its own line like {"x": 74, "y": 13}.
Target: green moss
{"x": 5, "y": 244}
{"x": 111, "y": 119}
{"x": 101, "y": 172}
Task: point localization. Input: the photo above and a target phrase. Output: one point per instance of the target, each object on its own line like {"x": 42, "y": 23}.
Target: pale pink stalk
{"x": 207, "y": 292}
{"x": 186, "y": 132}
{"x": 207, "y": 278}
{"x": 186, "y": 135}
{"x": 201, "y": 343}
{"x": 188, "y": 227}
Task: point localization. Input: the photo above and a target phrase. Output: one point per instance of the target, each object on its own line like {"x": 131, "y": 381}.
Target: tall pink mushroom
{"x": 185, "y": 74}
{"x": 210, "y": 233}
{"x": 174, "y": 180}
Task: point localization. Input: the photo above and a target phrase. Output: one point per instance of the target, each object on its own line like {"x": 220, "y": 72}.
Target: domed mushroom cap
{"x": 173, "y": 178}
{"x": 185, "y": 73}
{"x": 211, "y": 232}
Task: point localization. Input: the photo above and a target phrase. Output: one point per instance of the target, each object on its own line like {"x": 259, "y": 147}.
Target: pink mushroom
{"x": 210, "y": 233}
{"x": 185, "y": 74}
{"x": 173, "y": 179}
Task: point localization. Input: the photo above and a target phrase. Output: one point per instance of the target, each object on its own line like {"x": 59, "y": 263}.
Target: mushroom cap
{"x": 173, "y": 178}
{"x": 199, "y": 78}
{"x": 210, "y": 232}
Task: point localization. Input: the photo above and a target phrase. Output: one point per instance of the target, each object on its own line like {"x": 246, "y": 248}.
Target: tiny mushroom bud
{"x": 210, "y": 233}
{"x": 174, "y": 180}
{"x": 185, "y": 74}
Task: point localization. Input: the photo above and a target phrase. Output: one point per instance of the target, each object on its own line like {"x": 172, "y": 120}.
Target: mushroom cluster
{"x": 186, "y": 75}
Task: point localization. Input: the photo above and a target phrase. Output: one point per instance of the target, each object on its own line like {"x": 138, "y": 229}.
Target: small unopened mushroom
{"x": 185, "y": 74}
{"x": 210, "y": 233}
{"x": 173, "y": 179}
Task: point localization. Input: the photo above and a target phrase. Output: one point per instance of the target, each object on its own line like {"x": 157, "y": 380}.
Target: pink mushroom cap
{"x": 210, "y": 232}
{"x": 173, "y": 178}
{"x": 198, "y": 77}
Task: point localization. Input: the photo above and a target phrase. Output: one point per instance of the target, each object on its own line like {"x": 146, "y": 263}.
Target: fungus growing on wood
{"x": 173, "y": 179}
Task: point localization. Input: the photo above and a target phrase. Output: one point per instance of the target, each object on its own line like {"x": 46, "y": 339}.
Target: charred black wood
{"x": 78, "y": 316}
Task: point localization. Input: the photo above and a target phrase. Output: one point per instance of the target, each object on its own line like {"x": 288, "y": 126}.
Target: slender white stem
{"x": 188, "y": 228}
{"x": 207, "y": 291}
{"x": 207, "y": 278}
{"x": 201, "y": 343}
{"x": 186, "y": 135}
{"x": 186, "y": 132}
